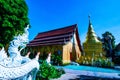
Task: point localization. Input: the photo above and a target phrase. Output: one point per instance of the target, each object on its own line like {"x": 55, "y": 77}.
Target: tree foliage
{"x": 13, "y": 19}
{"x": 108, "y": 43}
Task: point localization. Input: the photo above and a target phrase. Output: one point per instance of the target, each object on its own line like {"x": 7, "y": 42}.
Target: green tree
{"x": 108, "y": 43}
{"x": 13, "y": 19}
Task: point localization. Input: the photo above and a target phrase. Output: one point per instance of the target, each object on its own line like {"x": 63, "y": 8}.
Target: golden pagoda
{"x": 92, "y": 46}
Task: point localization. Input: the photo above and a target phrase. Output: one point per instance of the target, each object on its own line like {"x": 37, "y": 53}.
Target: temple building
{"x": 64, "y": 41}
{"x": 92, "y": 46}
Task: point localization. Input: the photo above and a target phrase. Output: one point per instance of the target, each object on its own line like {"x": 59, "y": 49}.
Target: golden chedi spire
{"x": 91, "y": 36}
{"x": 92, "y": 46}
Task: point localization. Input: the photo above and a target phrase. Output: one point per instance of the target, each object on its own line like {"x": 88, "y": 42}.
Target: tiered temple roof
{"x": 56, "y": 37}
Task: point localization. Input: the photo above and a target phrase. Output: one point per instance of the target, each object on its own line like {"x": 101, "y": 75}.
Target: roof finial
{"x": 89, "y": 16}
{"x": 89, "y": 19}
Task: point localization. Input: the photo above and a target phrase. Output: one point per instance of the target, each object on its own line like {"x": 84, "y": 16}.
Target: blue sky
{"x": 47, "y": 15}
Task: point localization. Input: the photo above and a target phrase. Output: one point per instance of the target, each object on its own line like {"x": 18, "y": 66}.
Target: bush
{"x": 95, "y": 61}
{"x": 64, "y": 64}
{"x": 56, "y": 59}
{"x": 1, "y": 45}
{"x": 100, "y": 62}
{"x": 116, "y": 60}
{"x": 47, "y": 72}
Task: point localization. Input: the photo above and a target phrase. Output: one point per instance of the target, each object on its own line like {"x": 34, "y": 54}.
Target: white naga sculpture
{"x": 48, "y": 60}
{"x": 17, "y": 67}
